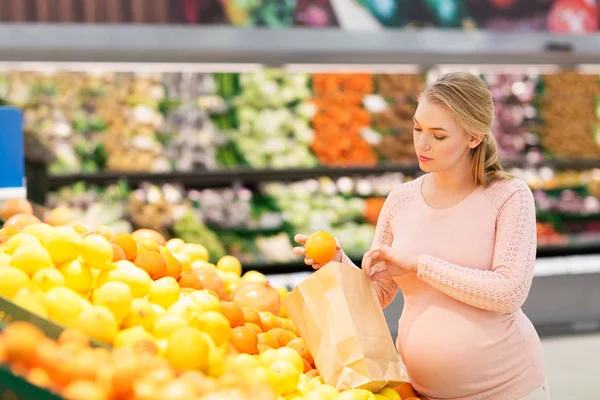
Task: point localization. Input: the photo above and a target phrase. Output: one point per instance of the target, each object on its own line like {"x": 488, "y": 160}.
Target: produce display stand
{"x": 16, "y": 387}
{"x": 236, "y": 50}
{"x": 10, "y": 312}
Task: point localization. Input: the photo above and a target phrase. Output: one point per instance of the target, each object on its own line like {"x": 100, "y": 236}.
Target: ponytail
{"x": 486, "y": 165}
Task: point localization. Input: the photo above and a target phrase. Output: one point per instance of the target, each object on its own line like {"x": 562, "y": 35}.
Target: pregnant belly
{"x": 460, "y": 350}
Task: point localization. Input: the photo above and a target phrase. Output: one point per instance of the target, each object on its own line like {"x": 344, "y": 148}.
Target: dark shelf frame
{"x": 227, "y": 177}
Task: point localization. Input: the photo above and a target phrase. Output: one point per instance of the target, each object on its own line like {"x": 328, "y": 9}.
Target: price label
{"x": 12, "y": 154}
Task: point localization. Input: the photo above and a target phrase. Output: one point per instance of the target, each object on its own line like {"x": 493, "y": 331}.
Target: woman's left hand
{"x": 394, "y": 262}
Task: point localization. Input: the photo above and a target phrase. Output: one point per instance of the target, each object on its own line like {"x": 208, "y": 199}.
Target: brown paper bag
{"x": 337, "y": 312}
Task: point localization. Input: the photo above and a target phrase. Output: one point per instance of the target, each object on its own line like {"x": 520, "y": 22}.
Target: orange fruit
{"x": 20, "y": 221}
{"x": 59, "y": 216}
{"x": 190, "y": 280}
{"x": 253, "y": 327}
{"x": 118, "y": 253}
{"x": 269, "y": 321}
{"x": 150, "y": 234}
{"x": 405, "y": 391}
{"x": 252, "y": 315}
{"x": 105, "y": 231}
{"x": 173, "y": 266}
{"x": 244, "y": 340}
{"x": 72, "y": 335}
{"x": 153, "y": 263}
{"x": 268, "y": 339}
{"x": 148, "y": 244}
{"x": 233, "y": 313}
{"x": 210, "y": 280}
{"x": 299, "y": 345}
{"x": 12, "y": 207}
{"x": 321, "y": 247}
{"x": 282, "y": 336}
{"x": 39, "y": 377}
{"x": 21, "y": 340}
{"x": 307, "y": 366}
{"x": 127, "y": 244}
{"x": 84, "y": 390}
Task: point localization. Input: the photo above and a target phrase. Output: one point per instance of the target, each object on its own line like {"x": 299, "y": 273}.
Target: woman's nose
{"x": 422, "y": 143}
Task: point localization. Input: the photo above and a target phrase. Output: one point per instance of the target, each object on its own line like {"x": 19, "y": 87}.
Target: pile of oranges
{"x": 180, "y": 327}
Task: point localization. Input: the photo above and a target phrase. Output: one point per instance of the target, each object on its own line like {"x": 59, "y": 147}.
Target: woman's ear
{"x": 474, "y": 141}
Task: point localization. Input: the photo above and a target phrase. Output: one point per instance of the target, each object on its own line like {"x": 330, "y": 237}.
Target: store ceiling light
{"x": 92, "y": 67}
{"x": 354, "y": 68}
{"x": 499, "y": 68}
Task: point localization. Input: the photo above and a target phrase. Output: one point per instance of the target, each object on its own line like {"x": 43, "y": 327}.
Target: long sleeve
{"x": 505, "y": 287}
{"x": 385, "y": 286}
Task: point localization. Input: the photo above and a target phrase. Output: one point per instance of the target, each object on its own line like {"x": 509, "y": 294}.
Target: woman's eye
{"x": 418, "y": 129}
{"x": 439, "y": 137}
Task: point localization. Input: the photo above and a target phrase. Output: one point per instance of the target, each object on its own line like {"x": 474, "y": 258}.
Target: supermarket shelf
{"x": 197, "y": 44}
{"x": 225, "y": 177}
{"x": 576, "y": 258}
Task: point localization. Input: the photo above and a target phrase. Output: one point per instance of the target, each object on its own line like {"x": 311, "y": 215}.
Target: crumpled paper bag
{"x": 338, "y": 315}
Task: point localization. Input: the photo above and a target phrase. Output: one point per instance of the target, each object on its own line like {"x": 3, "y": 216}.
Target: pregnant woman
{"x": 460, "y": 243}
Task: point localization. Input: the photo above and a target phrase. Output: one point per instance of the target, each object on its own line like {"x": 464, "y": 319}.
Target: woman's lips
{"x": 424, "y": 159}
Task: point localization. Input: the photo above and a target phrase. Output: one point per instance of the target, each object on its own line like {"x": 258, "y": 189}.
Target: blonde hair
{"x": 470, "y": 102}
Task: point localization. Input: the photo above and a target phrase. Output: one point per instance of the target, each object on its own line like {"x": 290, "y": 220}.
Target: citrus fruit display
{"x": 177, "y": 326}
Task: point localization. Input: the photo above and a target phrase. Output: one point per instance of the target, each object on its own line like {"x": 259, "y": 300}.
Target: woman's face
{"x": 440, "y": 142}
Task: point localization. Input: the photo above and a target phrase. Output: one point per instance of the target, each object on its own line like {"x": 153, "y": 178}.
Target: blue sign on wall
{"x": 12, "y": 155}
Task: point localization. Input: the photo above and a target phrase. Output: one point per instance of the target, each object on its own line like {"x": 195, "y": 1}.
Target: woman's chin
{"x": 425, "y": 166}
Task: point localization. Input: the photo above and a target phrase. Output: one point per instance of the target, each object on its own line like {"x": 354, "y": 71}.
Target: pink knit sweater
{"x": 462, "y": 333}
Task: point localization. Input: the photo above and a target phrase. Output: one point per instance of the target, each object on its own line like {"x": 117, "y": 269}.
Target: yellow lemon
{"x": 116, "y": 296}
{"x": 130, "y": 336}
{"x": 47, "y": 278}
{"x": 97, "y": 252}
{"x": 63, "y": 305}
{"x": 78, "y": 276}
{"x": 186, "y": 308}
{"x": 31, "y": 299}
{"x": 215, "y": 325}
{"x": 291, "y": 355}
{"x": 98, "y": 322}
{"x": 63, "y": 244}
{"x": 40, "y": 230}
{"x": 137, "y": 279}
{"x": 141, "y": 314}
{"x": 187, "y": 349}
{"x": 185, "y": 260}
{"x": 230, "y": 264}
{"x": 30, "y": 258}
{"x": 4, "y": 259}
{"x": 174, "y": 245}
{"x": 254, "y": 276}
{"x": 167, "y": 324}
{"x": 195, "y": 251}
{"x": 205, "y": 300}
{"x": 14, "y": 242}
{"x": 164, "y": 292}
{"x": 388, "y": 394}
{"x": 287, "y": 377}
{"x": 11, "y": 281}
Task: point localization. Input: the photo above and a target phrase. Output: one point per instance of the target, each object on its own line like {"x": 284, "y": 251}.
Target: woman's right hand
{"x": 300, "y": 250}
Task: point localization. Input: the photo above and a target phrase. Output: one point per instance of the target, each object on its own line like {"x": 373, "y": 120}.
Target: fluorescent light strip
{"x": 591, "y": 69}
{"x": 500, "y": 68}
{"x": 354, "y": 68}
{"x": 129, "y": 67}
